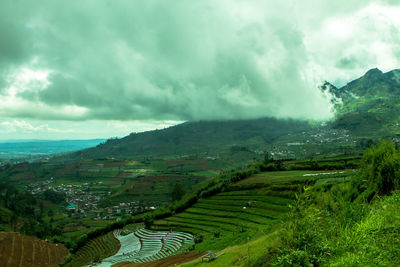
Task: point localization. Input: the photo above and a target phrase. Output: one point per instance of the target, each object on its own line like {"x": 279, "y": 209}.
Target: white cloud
{"x": 344, "y": 47}
{"x": 145, "y": 63}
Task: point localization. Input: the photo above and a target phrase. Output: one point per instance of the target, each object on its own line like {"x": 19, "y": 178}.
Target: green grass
{"x": 248, "y": 254}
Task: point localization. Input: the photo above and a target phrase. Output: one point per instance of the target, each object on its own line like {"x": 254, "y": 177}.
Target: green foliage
{"x": 178, "y": 192}
{"x": 381, "y": 168}
{"x": 195, "y": 137}
{"x": 53, "y": 196}
{"x": 198, "y": 238}
{"x": 325, "y": 228}
{"x": 148, "y": 221}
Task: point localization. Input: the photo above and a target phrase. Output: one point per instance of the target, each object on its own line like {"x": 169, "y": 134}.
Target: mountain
{"x": 196, "y": 137}
{"x": 369, "y": 105}
{"x": 366, "y": 107}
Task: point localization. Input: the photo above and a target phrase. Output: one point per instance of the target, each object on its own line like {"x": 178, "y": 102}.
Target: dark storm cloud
{"x": 177, "y": 60}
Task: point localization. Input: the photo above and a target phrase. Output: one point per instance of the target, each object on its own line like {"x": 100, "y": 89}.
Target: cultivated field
{"x": 132, "y": 244}
{"x": 228, "y": 218}
{"x": 96, "y": 249}
{"x": 291, "y": 177}
{"x": 20, "y": 250}
{"x": 143, "y": 246}
{"x": 252, "y": 207}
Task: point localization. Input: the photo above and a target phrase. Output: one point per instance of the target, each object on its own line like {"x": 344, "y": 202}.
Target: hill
{"x": 195, "y": 137}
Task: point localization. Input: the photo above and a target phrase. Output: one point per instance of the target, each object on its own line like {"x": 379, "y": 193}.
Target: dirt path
{"x": 165, "y": 262}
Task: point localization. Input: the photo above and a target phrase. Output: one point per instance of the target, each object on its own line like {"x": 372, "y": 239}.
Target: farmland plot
{"x": 145, "y": 246}
{"x": 21, "y": 250}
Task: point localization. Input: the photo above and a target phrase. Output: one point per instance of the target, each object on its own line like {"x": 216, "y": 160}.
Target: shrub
{"x": 148, "y": 221}
{"x": 217, "y": 234}
{"x": 381, "y": 168}
{"x": 198, "y": 238}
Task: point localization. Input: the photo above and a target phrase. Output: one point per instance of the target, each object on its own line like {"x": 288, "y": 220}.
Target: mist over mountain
{"x": 368, "y": 105}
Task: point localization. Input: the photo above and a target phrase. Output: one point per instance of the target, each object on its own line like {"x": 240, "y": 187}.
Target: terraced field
{"x": 229, "y": 218}
{"x": 144, "y": 246}
{"x": 285, "y": 177}
{"x": 131, "y": 244}
{"x": 236, "y": 216}
{"x": 253, "y": 207}
{"x": 96, "y": 249}
{"x": 21, "y": 250}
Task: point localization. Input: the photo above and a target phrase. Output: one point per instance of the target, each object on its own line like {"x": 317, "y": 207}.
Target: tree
{"x": 148, "y": 221}
{"x": 178, "y": 192}
{"x": 50, "y": 213}
{"x": 53, "y": 196}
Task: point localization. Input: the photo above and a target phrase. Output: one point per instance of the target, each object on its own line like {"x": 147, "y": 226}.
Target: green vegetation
{"x": 195, "y": 138}
{"x": 178, "y": 192}
{"x": 281, "y": 212}
{"x": 200, "y": 211}
{"x": 97, "y": 248}
{"x": 348, "y": 223}
{"x": 381, "y": 169}
{"x": 21, "y": 211}
{"x": 228, "y": 218}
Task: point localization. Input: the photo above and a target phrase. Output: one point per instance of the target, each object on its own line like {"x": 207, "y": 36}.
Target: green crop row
{"x": 96, "y": 249}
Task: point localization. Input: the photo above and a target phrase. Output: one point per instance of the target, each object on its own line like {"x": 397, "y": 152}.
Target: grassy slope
{"x": 337, "y": 222}
{"x": 242, "y": 255}
{"x": 373, "y": 241}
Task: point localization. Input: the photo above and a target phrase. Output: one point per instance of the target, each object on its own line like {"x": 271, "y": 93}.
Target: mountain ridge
{"x": 366, "y": 107}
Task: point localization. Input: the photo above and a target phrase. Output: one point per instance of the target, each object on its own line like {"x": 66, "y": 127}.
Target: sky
{"x": 99, "y": 69}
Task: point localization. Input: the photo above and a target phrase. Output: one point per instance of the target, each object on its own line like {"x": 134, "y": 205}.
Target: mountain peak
{"x": 373, "y": 72}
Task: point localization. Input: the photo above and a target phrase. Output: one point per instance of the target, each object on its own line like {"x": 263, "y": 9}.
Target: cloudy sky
{"x": 97, "y": 68}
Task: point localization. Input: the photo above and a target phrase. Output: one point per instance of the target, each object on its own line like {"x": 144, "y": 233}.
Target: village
{"x": 83, "y": 201}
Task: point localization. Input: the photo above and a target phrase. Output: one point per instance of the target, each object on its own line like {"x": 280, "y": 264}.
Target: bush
{"x": 294, "y": 258}
{"x": 198, "y": 238}
{"x": 380, "y": 168}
